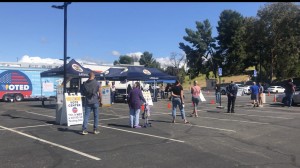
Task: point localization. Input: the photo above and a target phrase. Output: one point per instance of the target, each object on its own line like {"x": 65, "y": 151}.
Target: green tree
{"x": 148, "y": 61}
{"x": 116, "y": 62}
{"x": 279, "y": 25}
{"x": 231, "y": 41}
{"x": 124, "y": 59}
{"x": 200, "y": 50}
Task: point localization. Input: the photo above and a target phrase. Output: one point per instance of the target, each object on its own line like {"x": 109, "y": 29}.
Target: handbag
{"x": 201, "y": 97}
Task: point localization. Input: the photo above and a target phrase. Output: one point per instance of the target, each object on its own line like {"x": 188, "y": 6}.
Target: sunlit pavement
{"x": 252, "y": 137}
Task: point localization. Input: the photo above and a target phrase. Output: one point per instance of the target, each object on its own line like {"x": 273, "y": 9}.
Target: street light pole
{"x": 65, "y": 8}
{"x": 260, "y": 64}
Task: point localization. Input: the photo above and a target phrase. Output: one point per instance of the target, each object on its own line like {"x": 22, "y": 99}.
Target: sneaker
{"x": 84, "y": 132}
{"x": 137, "y": 126}
{"x": 96, "y": 132}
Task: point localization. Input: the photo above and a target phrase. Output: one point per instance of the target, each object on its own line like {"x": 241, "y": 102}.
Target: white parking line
{"x": 51, "y": 143}
{"x": 39, "y": 114}
{"x": 264, "y": 116}
{"x": 280, "y": 112}
{"x": 214, "y": 128}
{"x": 223, "y": 119}
{"x": 122, "y": 130}
{"x": 30, "y": 126}
{"x": 160, "y": 137}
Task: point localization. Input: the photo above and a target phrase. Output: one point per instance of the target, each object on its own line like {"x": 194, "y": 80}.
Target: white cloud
{"x": 29, "y": 59}
{"x": 164, "y": 62}
{"x": 136, "y": 56}
{"x": 116, "y": 53}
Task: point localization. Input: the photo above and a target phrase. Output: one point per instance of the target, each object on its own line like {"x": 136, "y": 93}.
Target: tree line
{"x": 270, "y": 42}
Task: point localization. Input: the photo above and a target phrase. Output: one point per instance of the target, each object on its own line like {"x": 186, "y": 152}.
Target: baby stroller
{"x": 146, "y": 115}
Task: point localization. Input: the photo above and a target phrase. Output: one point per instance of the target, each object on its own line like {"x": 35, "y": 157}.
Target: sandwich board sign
{"x": 72, "y": 113}
{"x": 106, "y": 96}
{"x": 147, "y": 96}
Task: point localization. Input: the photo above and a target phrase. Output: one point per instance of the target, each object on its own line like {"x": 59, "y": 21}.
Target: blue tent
{"x": 113, "y": 73}
{"x": 74, "y": 70}
{"x": 160, "y": 81}
{"x": 137, "y": 73}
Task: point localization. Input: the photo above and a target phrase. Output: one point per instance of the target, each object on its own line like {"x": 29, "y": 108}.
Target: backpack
{"x": 90, "y": 87}
{"x": 261, "y": 89}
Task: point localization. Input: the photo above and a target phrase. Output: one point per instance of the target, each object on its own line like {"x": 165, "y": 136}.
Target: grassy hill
{"x": 202, "y": 81}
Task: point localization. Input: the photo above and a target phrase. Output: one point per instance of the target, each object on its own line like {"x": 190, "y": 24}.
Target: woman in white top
{"x": 195, "y": 90}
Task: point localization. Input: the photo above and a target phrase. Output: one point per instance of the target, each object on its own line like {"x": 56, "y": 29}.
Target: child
{"x": 146, "y": 115}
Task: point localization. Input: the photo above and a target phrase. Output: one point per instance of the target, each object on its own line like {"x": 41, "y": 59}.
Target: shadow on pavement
{"x": 69, "y": 130}
{"x": 119, "y": 125}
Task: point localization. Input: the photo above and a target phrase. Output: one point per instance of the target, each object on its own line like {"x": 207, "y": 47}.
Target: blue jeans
{"x": 177, "y": 102}
{"x": 289, "y": 99}
{"x": 113, "y": 97}
{"x": 218, "y": 97}
{"x": 134, "y": 118}
{"x": 88, "y": 109}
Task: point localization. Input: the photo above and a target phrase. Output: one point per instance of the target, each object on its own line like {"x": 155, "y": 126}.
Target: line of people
{"x": 92, "y": 92}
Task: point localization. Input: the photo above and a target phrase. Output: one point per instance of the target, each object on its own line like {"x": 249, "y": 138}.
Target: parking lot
{"x": 261, "y": 137}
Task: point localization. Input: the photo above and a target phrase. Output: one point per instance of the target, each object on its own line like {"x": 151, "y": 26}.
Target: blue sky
{"x": 101, "y": 31}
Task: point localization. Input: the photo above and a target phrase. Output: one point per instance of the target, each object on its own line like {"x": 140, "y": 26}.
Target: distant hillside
{"x": 202, "y": 82}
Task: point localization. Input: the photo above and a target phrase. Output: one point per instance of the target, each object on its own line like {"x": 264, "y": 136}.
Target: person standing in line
{"x": 195, "y": 90}
{"x": 231, "y": 90}
{"x": 162, "y": 91}
{"x": 135, "y": 100}
{"x": 218, "y": 93}
{"x": 260, "y": 94}
{"x": 254, "y": 94}
{"x": 113, "y": 92}
{"x": 289, "y": 92}
{"x": 177, "y": 100}
{"x": 93, "y": 97}
{"x": 167, "y": 90}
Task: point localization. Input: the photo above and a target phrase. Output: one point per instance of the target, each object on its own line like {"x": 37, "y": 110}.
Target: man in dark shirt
{"x": 218, "y": 93}
{"x": 92, "y": 93}
{"x": 231, "y": 90}
{"x": 289, "y": 92}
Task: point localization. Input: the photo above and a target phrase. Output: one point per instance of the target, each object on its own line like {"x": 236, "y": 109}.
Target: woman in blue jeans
{"x": 177, "y": 100}
{"x": 135, "y": 100}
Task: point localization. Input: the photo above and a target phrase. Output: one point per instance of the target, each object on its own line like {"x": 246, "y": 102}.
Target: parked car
{"x": 275, "y": 89}
{"x": 296, "y": 98}
{"x": 245, "y": 89}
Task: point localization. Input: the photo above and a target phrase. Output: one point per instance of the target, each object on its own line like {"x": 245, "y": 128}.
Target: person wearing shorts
{"x": 195, "y": 90}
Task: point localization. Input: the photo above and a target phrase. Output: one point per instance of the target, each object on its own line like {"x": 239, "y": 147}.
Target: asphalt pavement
{"x": 260, "y": 137}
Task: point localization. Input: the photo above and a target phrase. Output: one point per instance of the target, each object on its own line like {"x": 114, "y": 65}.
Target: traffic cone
{"x": 268, "y": 93}
{"x": 169, "y": 105}
{"x": 212, "y": 101}
{"x": 142, "y": 107}
{"x": 274, "y": 99}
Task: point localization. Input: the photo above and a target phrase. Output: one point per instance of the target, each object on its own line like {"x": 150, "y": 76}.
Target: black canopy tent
{"x": 74, "y": 70}
{"x": 137, "y": 73}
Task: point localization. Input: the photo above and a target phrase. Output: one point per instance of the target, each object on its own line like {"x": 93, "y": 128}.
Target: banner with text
{"x": 106, "y": 97}
{"x": 147, "y": 96}
{"x": 74, "y": 110}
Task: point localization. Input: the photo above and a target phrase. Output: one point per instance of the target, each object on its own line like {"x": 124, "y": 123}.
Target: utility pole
{"x": 65, "y": 8}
